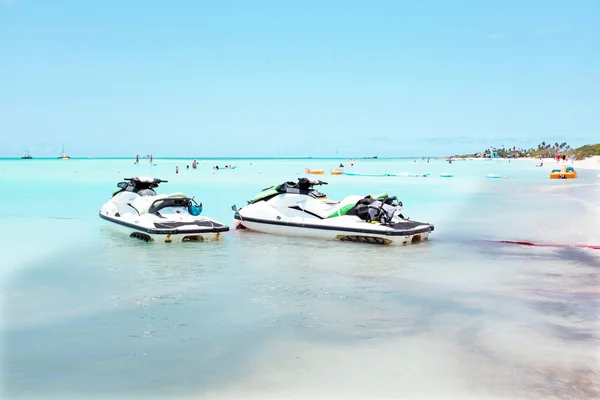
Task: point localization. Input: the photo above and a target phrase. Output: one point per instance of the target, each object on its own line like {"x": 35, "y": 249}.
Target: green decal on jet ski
{"x": 341, "y": 211}
{"x": 265, "y": 193}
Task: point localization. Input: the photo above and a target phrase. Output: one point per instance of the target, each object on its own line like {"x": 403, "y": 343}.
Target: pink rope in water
{"x": 523, "y": 243}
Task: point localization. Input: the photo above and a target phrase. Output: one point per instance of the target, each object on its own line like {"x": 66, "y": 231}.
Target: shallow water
{"x": 88, "y": 313}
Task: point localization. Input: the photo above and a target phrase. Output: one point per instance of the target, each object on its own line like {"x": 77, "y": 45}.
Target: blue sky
{"x": 296, "y": 78}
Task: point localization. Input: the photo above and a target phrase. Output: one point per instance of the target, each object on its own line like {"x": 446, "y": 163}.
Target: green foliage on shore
{"x": 589, "y": 150}
{"x": 543, "y": 149}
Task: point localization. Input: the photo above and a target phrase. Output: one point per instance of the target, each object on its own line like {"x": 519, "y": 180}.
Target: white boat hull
{"x": 298, "y": 210}
{"x": 159, "y": 218}
{"x": 331, "y": 232}
{"x": 148, "y": 234}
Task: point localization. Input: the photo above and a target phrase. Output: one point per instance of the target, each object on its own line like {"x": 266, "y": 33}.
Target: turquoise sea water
{"x": 88, "y": 313}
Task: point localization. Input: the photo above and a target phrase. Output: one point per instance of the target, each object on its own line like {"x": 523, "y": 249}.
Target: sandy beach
{"x": 590, "y": 163}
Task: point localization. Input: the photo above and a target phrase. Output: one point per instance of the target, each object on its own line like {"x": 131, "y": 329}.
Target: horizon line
{"x": 222, "y": 158}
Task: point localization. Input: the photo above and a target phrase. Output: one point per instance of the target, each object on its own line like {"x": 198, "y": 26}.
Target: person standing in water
{"x": 137, "y": 159}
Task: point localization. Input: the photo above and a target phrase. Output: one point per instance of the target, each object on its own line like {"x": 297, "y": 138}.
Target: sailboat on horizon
{"x": 26, "y": 156}
{"x": 62, "y": 153}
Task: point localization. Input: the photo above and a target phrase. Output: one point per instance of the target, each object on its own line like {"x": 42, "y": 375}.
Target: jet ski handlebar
{"x": 312, "y": 181}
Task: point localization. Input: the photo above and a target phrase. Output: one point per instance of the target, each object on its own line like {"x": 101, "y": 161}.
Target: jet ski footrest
{"x": 173, "y": 225}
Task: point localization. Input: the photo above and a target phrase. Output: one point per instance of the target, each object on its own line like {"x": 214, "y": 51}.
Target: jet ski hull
{"x": 367, "y": 233}
{"x": 139, "y": 212}
{"x": 297, "y": 209}
{"x": 150, "y": 231}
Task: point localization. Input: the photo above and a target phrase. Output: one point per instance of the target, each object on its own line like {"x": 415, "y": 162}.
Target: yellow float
{"x": 564, "y": 173}
{"x": 336, "y": 172}
{"x": 314, "y": 171}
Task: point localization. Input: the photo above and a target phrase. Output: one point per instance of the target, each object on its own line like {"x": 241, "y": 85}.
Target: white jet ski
{"x": 137, "y": 210}
{"x": 297, "y": 209}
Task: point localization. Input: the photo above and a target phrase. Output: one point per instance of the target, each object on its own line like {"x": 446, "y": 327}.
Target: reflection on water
{"x": 161, "y": 320}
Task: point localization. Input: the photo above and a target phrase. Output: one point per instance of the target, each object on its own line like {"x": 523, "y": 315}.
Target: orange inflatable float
{"x": 564, "y": 173}
{"x": 314, "y": 171}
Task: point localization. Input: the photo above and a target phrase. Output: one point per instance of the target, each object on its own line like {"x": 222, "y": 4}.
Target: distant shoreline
{"x": 236, "y": 158}
{"x": 588, "y": 163}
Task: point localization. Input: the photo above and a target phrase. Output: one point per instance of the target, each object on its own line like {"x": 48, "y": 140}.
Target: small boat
{"x": 314, "y": 171}
{"x": 63, "y": 156}
{"x": 298, "y": 209}
{"x": 26, "y": 156}
{"x": 139, "y": 212}
{"x": 564, "y": 173}
{"x": 446, "y": 175}
{"x": 493, "y": 176}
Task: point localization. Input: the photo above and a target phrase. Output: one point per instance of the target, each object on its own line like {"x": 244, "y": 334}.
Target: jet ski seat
{"x": 168, "y": 202}
{"x": 151, "y": 204}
